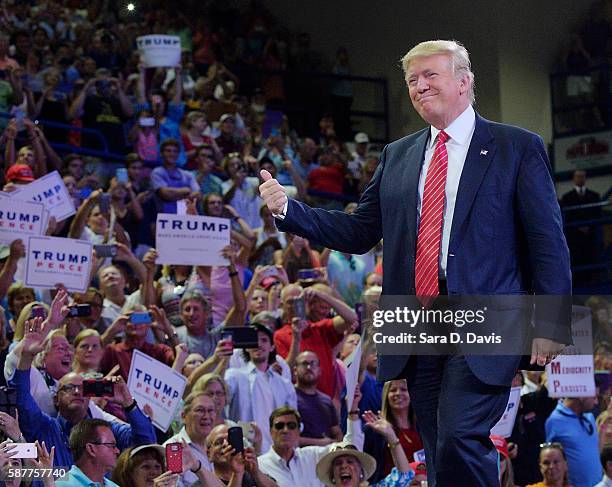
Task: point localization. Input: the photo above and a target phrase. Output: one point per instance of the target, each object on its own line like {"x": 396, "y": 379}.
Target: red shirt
{"x": 321, "y": 338}
{"x": 120, "y": 354}
{"x": 411, "y": 443}
{"x": 329, "y": 179}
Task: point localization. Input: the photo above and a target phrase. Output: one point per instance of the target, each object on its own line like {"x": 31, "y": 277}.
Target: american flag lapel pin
{"x": 483, "y": 152}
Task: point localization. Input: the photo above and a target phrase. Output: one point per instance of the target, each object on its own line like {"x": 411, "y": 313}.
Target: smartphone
{"x": 359, "y": 310}
{"x": 38, "y": 312}
{"x": 122, "y": 175}
{"x": 104, "y": 203}
{"x": 299, "y": 308}
{"x": 308, "y": 275}
{"x": 174, "y": 457}
{"x": 105, "y": 250}
{"x": 235, "y": 439}
{"x": 146, "y": 122}
{"x": 98, "y": 388}
{"x": 140, "y": 317}
{"x": 269, "y": 271}
{"x": 79, "y": 310}
{"x": 241, "y": 336}
{"x": 24, "y": 450}
{"x": 85, "y": 192}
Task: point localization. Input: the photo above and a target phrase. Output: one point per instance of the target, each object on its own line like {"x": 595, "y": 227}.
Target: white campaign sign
{"x": 20, "y": 220}
{"x": 571, "y": 376}
{"x": 506, "y": 422}
{"x": 154, "y": 383}
{"x": 159, "y": 51}
{"x": 352, "y": 363}
{"x": 191, "y": 239}
{"x": 51, "y": 191}
{"x": 53, "y": 260}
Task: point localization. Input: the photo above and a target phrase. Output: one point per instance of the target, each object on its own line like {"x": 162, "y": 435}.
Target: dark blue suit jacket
{"x": 506, "y": 236}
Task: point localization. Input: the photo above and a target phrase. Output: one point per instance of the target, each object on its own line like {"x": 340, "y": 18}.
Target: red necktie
{"x": 430, "y": 227}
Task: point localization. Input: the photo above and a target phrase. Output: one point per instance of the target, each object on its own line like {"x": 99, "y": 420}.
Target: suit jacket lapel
{"x": 412, "y": 172}
{"x": 479, "y": 156}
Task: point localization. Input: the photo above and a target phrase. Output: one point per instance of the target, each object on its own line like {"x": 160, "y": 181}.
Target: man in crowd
{"x": 104, "y": 106}
{"x": 135, "y": 338}
{"x": 573, "y": 425}
{"x": 198, "y": 418}
{"x": 319, "y": 415}
{"x": 170, "y": 183}
{"x": 255, "y": 389}
{"x": 227, "y": 140}
{"x": 287, "y": 463}
{"x": 317, "y": 333}
{"x": 72, "y": 406}
{"x": 94, "y": 449}
{"x": 240, "y": 468}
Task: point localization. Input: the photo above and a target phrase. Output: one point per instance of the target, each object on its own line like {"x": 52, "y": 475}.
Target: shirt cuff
{"x": 283, "y": 213}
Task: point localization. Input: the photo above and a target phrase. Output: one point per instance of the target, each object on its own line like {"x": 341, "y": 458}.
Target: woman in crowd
{"x": 296, "y": 255}
{"x": 142, "y": 466}
{"x": 87, "y": 352}
{"x": 553, "y": 466}
{"x": 18, "y": 297}
{"x": 345, "y": 466}
{"x": 212, "y": 205}
{"x": 215, "y": 387}
{"x": 397, "y": 411}
{"x": 193, "y": 138}
{"x": 91, "y": 222}
{"x": 127, "y": 208}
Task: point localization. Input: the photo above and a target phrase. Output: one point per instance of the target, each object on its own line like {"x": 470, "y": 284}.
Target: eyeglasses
{"x": 70, "y": 389}
{"x": 291, "y": 425}
{"x": 312, "y": 364}
{"x": 215, "y": 393}
{"x": 112, "y": 446}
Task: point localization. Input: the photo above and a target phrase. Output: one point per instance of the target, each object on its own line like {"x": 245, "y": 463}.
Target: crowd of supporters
{"x": 193, "y": 139}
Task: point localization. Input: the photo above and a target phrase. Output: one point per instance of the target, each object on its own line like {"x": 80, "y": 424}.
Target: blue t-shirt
{"x": 578, "y": 435}
{"x": 163, "y": 177}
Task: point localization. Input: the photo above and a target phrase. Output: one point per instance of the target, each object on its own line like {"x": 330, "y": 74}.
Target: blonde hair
{"x": 203, "y": 382}
{"x": 39, "y": 360}
{"x": 458, "y": 54}
{"x": 25, "y": 316}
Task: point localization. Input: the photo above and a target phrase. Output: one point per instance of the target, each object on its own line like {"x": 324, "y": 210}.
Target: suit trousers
{"x": 455, "y": 412}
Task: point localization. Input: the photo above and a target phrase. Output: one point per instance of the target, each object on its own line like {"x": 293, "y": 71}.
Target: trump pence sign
{"x": 53, "y": 260}
{"x": 155, "y": 384}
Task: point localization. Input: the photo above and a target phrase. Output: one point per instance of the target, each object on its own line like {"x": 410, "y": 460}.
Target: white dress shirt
{"x": 302, "y": 467}
{"x": 605, "y": 482}
{"x": 246, "y": 385}
{"x": 460, "y": 132}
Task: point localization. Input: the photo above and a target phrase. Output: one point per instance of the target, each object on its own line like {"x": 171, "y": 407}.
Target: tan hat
{"x": 362, "y": 138}
{"x": 324, "y": 467}
{"x": 160, "y": 449}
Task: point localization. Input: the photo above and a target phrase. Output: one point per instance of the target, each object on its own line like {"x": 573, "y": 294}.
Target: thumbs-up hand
{"x": 272, "y": 193}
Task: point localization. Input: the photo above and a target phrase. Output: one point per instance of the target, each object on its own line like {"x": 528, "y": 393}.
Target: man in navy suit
{"x": 498, "y": 232}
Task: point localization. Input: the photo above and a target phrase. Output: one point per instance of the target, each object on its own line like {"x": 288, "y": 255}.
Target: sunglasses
{"x": 291, "y": 425}
{"x": 552, "y": 444}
